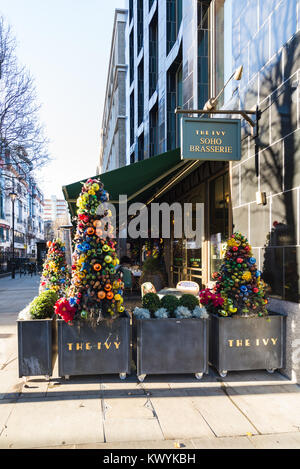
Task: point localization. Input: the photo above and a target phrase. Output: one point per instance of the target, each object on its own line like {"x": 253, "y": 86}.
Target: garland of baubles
{"x": 96, "y": 289}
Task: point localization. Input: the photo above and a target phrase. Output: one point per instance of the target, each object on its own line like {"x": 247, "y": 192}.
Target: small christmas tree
{"x": 96, "y": 289}
{"x": 55, "y": 275}
{"x": 239, "y": 282}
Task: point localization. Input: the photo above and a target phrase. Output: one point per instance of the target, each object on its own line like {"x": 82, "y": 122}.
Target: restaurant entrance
{"x": 197, "y": 263}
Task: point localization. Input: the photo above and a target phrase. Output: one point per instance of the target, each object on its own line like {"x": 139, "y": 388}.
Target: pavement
{"x": 249, "y": 410}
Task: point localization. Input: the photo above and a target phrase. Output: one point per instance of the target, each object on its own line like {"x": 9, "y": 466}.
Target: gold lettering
{"x": 117, "y": 345}
{"x": 274, "y": 341}
{"x": 70, "y": 346}
{"x": 192, "y": 148}
{"x": 247, "y": 343}
{"x": 88, "y": 346}
{"x": 79, "y": 346}
{"x": 230, "y": 343}
{"x": 257, "y": 342}
{"x": 99, "y": 345}
{"x": 265, "y": 341}
{"x": 239, "y": 343}
{"x": 107, "y": 345}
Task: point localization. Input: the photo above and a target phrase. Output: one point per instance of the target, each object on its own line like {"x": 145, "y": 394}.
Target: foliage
{"x": 161, "y": 313}
{"x": 141, "y": 313}
{"x": 151, "y": 265}
{"x": 182, "y": 312}
{"x": 200, "y": 312}
{"x": 151, "y": 302}
{"x": 189, "y": 301}
{"x": 170, "y": 302}
{"x": 42, "y": 306}
{"x": 211, "y": 300}
{"x": 21, "y": 133}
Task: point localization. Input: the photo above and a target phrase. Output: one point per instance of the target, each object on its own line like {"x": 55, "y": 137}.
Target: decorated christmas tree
{"x": 96, "y": 289}
{"x": 55, "y": 275}
{"x": 239, "y": 281}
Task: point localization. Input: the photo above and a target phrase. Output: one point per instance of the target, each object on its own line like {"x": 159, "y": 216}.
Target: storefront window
{"x": 219, "y": 204}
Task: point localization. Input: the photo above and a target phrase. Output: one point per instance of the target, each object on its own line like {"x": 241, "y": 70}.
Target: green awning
{"x": 139, "y": 181}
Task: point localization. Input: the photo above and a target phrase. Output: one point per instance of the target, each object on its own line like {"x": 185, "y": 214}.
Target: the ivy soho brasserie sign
{"x": 211, "y": 139}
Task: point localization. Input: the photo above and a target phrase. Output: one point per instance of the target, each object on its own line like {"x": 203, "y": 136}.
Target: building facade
{"x": 112, "y": 138}
{"x": 179, "y": 54}
{"x": 55, "y": 208}
{"x": 28, "y": 208}
{"x": 167, "y": 56}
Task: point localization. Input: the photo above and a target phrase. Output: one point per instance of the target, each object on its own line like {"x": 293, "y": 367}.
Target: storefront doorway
{"x": 197, "y": 263}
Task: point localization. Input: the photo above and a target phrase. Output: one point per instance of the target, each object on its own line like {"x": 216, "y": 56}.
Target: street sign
{"x": 211, "y": 139}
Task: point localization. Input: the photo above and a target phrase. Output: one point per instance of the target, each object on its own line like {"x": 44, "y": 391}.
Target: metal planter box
{"x": 164, "y": 346}
{"x": 240, "y": 343}
{"x": 37, "y": 347}
{"x": 87, "y": 349}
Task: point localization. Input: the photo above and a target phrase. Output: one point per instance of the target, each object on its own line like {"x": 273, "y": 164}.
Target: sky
{"x": 65, "y": 44}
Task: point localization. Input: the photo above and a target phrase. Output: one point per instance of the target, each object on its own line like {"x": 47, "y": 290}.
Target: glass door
{"x": 218, "y": 221}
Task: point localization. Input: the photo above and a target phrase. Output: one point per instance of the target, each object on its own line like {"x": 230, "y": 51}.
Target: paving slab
{"x": 241, "y": 442}
{"x": 271, "y": 408}
{"x": 132, "y": 419}
{"x": 161, "y": 444}
{"x": 179, "y": 418}
{"x": 278, "y": 441}
{"x": 6, "y": 408}
{"x": 10, "y": 384}
{"x": 232, "y": 423}
{"x": 48, "y": 423}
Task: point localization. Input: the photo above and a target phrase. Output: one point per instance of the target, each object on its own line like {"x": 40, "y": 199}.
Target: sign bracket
{"x": 244, "y": 113}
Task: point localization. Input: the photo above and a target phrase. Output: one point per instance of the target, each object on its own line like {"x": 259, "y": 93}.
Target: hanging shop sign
{"x": 211, "y": 139}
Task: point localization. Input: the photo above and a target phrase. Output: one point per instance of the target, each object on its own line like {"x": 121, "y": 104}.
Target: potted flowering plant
{"x": 37, "y": 336}
{"x": 94, "y": 328}
{"x": 243, "y": 334}
{"x": 170, "y": 336}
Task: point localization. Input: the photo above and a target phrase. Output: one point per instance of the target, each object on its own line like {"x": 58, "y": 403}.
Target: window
{"x": 179, "y": 101}
{"x": 140, "y": 24}
{"x": 174, "y": 98}
{"x": 219, "y": 223}
{"x": 20, "y": 211}
{"x": 141, "y": 92}
{"x": 132, "y": 118}
{"x": 131, "y": 57}
{"x": 130, "y": 10}
{"x": 153, "y": 131}
{"x": 174, "y": 17}
{"x": 153, "y": 55}
{"x": 203, "y": 53}
{"x": 2, "y": 214}
{"x": 132, "y": 158}
{"x": 141, "y": 147}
